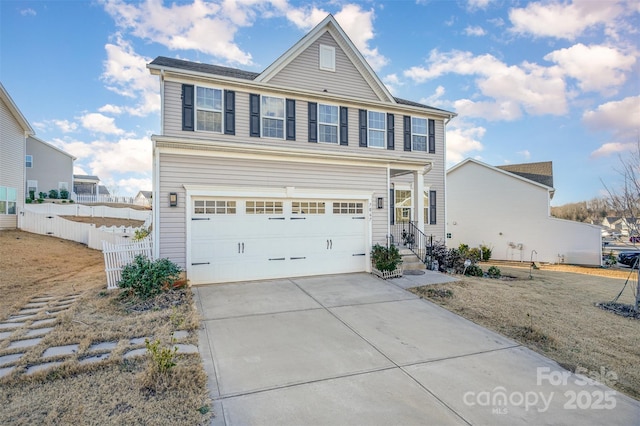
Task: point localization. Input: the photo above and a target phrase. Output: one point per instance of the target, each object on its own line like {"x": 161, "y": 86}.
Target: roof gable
{"x": 541, "y": 172}
{"x": 329, "y": 31}
{"x": 502, "y": 171}
{"x": 48, "y": 145}
{"x": 15, "y": 111}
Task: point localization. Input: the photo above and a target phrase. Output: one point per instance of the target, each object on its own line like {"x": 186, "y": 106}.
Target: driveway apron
{"x": 356, "y": 350}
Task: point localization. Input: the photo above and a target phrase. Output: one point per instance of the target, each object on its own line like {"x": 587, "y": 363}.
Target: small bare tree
{"x": 626, "y": 199}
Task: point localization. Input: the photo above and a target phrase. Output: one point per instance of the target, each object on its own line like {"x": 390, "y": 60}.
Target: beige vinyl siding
{"x": 178, "y": 170}
{"x": 304, "y": 73}
{"x": 50, "y": 166}
{"x": 12, "y": 157}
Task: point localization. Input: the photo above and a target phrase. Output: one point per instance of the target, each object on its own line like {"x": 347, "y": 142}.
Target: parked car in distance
{"x": 634, "y": 239}
{"x": 629, "y": 258}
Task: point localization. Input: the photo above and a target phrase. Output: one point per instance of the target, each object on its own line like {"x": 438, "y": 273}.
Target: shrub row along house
{"x": 293, "y": 171}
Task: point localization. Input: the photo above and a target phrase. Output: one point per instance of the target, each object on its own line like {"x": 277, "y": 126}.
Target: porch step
{"x": 410, "y": 261}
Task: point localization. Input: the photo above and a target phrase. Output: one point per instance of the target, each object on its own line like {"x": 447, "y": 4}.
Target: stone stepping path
{"x": 38, "y": 318}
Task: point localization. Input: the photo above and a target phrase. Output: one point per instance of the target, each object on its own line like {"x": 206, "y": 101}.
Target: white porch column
{"x": 418, "y": 199}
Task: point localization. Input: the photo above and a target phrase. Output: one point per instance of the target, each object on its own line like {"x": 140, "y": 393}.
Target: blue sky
{"x": 531, "y": 81}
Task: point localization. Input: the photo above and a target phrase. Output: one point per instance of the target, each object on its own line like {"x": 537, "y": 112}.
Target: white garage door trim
{"x": 288, "y": 194}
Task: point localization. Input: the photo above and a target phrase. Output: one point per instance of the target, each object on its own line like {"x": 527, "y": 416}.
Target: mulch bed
{"x": 619, "y": 309}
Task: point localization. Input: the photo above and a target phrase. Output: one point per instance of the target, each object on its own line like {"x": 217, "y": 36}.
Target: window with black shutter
{"x": 187, "y": 107}
{"x": 432, "y": 207}
{"x": 390, "y": 131}
{"x": 432, "y": 136}
{"x": 362, "y": 124}
{"x": 229, "y": 112}
{"x": 313, "y": 121}
{"x": 291, "y": 119}
{"x": 406, "y": 131}
{"x": 254, "y": 115}
{"x": 344, "y": 126}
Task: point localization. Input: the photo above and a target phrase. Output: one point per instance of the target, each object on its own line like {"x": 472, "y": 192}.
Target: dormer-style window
{"x": 208, "y": 109}
{"x": 327, "y": 58}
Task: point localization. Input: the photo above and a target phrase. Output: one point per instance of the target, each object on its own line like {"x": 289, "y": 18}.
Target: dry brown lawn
{"x": 554, "y": 313}
{"x": 115, "y": 391}
{"x": 105, "y": 221}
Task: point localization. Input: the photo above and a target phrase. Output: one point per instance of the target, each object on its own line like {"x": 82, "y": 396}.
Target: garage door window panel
{"x": 214, "y": 207}
{"x": 308, "y": 207}
{"x": 348, "y": 208}
{"x": 263, "y": 207}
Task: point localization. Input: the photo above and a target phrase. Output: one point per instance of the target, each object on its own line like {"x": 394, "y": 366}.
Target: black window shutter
{"x": 291, "y": 119}
{"x": 362, "y": 114}
{"x": 391, "y": 128}
{"x": 344, "y": 126}
{"x": 407, "y": 133}
{"x": 313, "y": 121}
{"x": 392, "y": 206}
{"x": 187, "y": 107}
{"x": 229, "y": 112}
{"x": 254, "y": 115}
{"x": 432, "y": 207}
{"x": 432, "y": 136}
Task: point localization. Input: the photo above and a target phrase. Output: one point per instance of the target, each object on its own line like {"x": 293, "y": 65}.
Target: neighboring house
{"x": 292, "y": 171}
{"x": 88, "y": 185}
{"x": 47, "y": 167}
{"x": 508, "y": 209}
{"x": 143, "y": 198}
{"x": 14, "y": 131}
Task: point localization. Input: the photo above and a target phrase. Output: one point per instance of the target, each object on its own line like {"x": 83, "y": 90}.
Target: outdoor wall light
{"x": 380, "y": 202}
{"x": 173, "y": 199}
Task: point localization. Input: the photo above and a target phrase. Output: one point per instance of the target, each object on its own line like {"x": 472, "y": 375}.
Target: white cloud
{"x": 125, "y": 73}
{"x": 475, "y": 31}
{"x": 110, "y": 109}
{"x": 28, "y": 12}
{"x": 597, "y": 68}
{"x": 392, "y": 81}
{"x": 461, "y": 141}
{"x": 478, "y": 4}
{"x": 358, "y": 24}
{"x": 132, "y": 185}
{"x": 610, "y": 148}
{"x": 66, "y": 126}
{"x": 565, "y": 20}
{"x": 434, "y": 99}
{"x": 526, "y": 154}
{"x": 99, "y": 123}
{"x": 620, "y": 117}
{"x": 510, "y": 88}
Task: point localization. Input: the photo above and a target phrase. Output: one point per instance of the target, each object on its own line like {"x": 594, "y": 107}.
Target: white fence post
{"x": 116, "y": 256}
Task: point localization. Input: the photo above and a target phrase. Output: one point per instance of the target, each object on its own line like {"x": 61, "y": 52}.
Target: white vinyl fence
{"x": 87, "y": 198}
{"x": 90, "y": 211}
{"x": 116, "y": 256}
{"x": 85, "y": 233}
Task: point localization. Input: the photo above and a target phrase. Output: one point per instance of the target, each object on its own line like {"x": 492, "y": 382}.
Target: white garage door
{"x": 252, "y": 239}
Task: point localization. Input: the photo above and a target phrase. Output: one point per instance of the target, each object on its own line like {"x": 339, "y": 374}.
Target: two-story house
{"x": 47, "y": 167}
{"x": 297, "y": 170}
{"x": 14, "y": 131}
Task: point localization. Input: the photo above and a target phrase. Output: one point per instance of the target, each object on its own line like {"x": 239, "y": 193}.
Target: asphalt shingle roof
{"x": 541, "y": 172}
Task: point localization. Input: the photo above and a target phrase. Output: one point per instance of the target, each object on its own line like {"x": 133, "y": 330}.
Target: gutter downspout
{"x": 155, "y": 178}
{"x": 446, "y": 197}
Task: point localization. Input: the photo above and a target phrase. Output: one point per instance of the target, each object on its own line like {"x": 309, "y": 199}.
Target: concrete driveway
{"x": 355, "y": 350}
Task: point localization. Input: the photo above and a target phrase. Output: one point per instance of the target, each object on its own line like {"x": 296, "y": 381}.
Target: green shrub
{"x": 494, "y": 272}
{"x": 486, "y": 252}
{"x": 40, "y": 200}
{"x": 163, "y": 359}
{"x": 474, "y": 271}
{"x": 32, "y": 195}
{"x": 53, "y": 194}
{"x": 28, "y": 201}
{"x": 473, "y": 254}
{"x": 71, "y": 201}
{"x": 145, "y": 278}
{"x": 386, "y": 258}
{"x": 42, "y": 194}
{"x": 141, "y": 234}
{"x": 64, "y": 194}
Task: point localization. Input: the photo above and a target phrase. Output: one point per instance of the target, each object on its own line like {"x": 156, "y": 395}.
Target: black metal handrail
{"x": 407, "y": 234}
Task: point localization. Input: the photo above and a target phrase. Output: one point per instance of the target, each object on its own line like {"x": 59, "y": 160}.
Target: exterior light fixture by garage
{"x": 380, "y": 202}
{"x": 173, "y": 199}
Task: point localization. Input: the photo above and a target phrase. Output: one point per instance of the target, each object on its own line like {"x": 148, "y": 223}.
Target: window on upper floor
{"x": 327, "y": 123}
{"x": 419, "y": 134}
{"x": 208, "y": 109}
{"x": 29, "y": 161}
{"x": 376, "y": 129}
{"x": 272, "y": 113}
{"x": 8, "y": 197}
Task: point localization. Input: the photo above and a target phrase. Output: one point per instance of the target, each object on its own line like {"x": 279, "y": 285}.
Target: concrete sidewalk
{"x": 353, "y": 349}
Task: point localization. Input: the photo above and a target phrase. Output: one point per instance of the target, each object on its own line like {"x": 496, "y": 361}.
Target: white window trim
{"x": 30, "y": 157}
{"x": 283, "y": 119}
{"x": 196, "y": 108}
{"x": 426, "y": 135}
{"x": 63, "y": 185}
{"x": 384, "y": 130}
{"x": 327, "y": 58}
{"x": 337, "y": 125}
